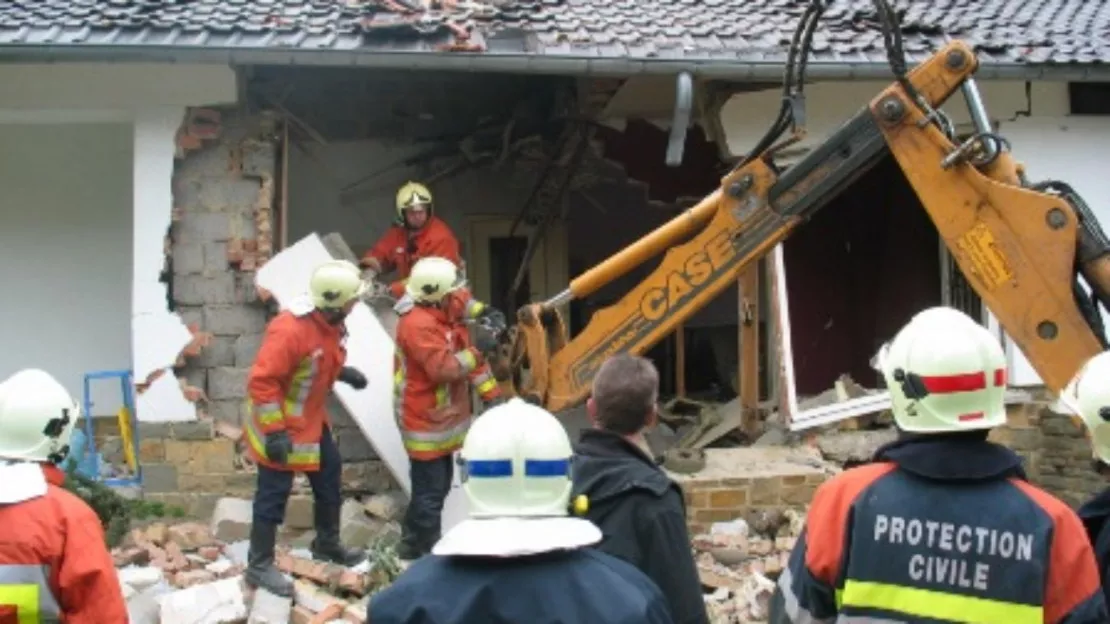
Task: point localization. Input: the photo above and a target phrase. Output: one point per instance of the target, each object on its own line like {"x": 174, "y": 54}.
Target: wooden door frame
{"x": 549, "y": 266}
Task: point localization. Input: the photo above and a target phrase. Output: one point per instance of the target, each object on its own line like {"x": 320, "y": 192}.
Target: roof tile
{"x": 1032, "y": 31}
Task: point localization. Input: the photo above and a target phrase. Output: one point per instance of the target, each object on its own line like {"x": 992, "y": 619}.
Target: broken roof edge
{"x": 500, "y": 62}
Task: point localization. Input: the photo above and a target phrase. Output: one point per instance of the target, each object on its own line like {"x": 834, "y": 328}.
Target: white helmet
{"x": 37, "y": 417}
{"x": 944, "y": 372}
{"x": 517, "y": 463}
{"x": 1090, "y": 393}
{"x": 336, "y": 283}
{"x": 432, "y": 279}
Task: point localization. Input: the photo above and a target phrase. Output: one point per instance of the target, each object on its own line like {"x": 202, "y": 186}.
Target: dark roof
{"x": 750, "y": 31}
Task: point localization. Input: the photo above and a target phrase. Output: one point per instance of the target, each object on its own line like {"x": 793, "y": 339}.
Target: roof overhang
{"x": 737, "y": 70}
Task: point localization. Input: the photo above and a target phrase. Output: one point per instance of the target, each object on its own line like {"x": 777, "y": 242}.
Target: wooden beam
{"x": 283, "y": 209}
{"x": 680, "y": 360}
{"x": 749, "y": 348}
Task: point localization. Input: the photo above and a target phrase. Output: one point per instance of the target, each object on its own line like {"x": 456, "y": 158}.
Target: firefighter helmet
{"x": 1089, "y": 394}
{"x": 334, "y": 284}
{"x": 412, "y": 194}
{"x": 516, "y": 474}
{"x": 432, "y": 279}
{"x": 37, "y": 417}
{"x": 944, "y": 372}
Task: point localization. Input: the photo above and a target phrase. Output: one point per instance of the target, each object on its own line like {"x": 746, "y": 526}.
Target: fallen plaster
{"x": 370, "y": 349}
{"x": 158, "y": 336}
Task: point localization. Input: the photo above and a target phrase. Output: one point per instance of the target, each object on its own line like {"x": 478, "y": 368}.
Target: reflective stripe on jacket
{"x": 296, "y": 366}
{"x": 884, "y": 545}
{"x": 54, "y": 563}
{"x": 432, "y": 365}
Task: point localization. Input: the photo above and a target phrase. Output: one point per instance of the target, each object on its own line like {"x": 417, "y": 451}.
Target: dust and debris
{"x": 167, "y": 569}
{"x": 740, "y": 560}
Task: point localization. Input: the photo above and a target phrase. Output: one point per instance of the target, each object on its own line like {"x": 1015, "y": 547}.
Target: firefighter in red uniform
{"x": 942, "y": 525}
{"x": 434, "y": 366}
{"x": 301, "y": 357}
{"x": 416, "y": 233}
{"x": 54, "y": 562}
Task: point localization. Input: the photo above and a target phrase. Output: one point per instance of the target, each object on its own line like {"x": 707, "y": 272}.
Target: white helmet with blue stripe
{"x": 516, "y": 473}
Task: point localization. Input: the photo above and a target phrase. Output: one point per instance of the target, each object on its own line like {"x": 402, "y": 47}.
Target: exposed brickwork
{"x": 222, "y": 232}
{"x": 737, "y": 481}
{"x": 1057, "y": 454}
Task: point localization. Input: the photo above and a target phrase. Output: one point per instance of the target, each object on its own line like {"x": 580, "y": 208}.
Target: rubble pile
{"x": 192, "y": 572}
{"x": 739, "y": 562}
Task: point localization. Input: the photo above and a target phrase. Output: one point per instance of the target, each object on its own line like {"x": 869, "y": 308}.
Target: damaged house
{"x": 158, "y": 156}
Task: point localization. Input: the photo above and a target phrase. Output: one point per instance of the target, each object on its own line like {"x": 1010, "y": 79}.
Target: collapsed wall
{"x": 225, "y": 184}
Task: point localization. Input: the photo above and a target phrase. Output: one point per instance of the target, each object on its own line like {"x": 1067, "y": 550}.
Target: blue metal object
{"x": 92, "y": 458}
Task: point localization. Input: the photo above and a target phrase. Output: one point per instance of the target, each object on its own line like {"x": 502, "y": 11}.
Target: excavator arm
{"x": 1017, "y": 245}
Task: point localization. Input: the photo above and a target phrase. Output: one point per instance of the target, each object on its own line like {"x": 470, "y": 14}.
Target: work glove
{"x": 353, "y": 377}
{"x": 485, "y": 342}
{"x": 493, "y": 319}
{"x": 278, "y": 446}
{"x": 369, "y": 275}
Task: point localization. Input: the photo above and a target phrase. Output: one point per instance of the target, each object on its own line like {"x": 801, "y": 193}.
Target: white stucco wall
{"x": 65, "y": 253}
{"x": 94, "y": 158}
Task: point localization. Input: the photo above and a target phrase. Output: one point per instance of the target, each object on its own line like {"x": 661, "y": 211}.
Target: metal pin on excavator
{"x": 1021, "y": 245}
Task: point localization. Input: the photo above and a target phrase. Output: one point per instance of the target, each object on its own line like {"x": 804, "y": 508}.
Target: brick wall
{"x": 737, "y": 481}
{"x": 225, "y": 195}
{"x": 1056, "y": 453}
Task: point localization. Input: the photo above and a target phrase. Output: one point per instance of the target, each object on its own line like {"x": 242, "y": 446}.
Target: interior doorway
{"x": 493, "y": 258}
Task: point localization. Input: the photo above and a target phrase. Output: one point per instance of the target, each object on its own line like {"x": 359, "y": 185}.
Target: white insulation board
{"x": 369, "y": 349}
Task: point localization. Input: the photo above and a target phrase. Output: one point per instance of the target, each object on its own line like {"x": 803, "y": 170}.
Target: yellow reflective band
{"x": 25, "y": 599}
{"x": 487, "y": 386}
{"x": 467, "y": 360}
{"x": 426, "y": 446}
{"x": 936, "y": 605}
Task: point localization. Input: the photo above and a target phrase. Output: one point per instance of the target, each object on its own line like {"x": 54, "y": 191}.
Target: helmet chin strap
{"x": 332, "y": 315}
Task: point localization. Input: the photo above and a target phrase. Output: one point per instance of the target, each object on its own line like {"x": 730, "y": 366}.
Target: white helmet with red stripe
{"x": 1089, "y": 394}
{"x": 944, "y": 372}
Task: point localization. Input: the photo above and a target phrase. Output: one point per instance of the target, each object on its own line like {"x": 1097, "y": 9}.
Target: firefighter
{"x": 54, "y": 562}
{"x": 301, "y": 357}
{"x": 942, "y": 525}
{"x": 416, "y": 233}
{"x": 1089, "y": 393}
{"x": 519, "y": 557}
{"x": 433, "y": 367}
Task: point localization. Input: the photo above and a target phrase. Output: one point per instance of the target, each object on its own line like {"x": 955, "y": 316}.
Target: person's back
{"x": 54, "y": 563}
{"x": 519, "y": 558}
{"x": 942, "y": 525}
{"x": 943, "y": 530}
{"x": 563, "y": 587}
{"x": 1088, "y": 394}
{"x": 638, "y": 508}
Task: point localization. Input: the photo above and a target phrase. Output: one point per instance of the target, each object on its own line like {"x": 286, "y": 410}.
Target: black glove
{"x": 485, "y": 341}
{"x": 353, "y": 377}
{"x": 492, "y": 318}
{"x": 278, "y": 447}
{"x": 494, "y": 402}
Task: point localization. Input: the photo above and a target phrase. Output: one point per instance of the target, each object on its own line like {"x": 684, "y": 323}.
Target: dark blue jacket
{"x": 1094, "y": 515}
{"x": 568, "y": 587}
{"x": 940, "y": 529}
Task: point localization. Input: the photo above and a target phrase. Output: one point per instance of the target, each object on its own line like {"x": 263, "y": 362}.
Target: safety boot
{"x": 261, "y": 571}
{"x": 326, "y": 545}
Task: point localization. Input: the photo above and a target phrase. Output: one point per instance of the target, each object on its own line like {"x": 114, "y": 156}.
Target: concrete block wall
{"x": 224, "y": 224}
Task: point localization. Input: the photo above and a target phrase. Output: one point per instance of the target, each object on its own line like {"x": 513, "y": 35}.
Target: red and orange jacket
{"x": 299, "y": 360}
{"x": 944, "y": 530}
{"x": 396, "y": 251}
{"x": 433, "y": 368}
{"x": 54, "y": 564}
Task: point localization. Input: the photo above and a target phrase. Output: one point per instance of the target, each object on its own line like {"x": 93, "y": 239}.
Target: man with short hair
{"x": 639, "y": 509}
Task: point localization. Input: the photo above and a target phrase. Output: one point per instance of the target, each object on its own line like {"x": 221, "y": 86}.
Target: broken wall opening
{"x": 855, "y": 274}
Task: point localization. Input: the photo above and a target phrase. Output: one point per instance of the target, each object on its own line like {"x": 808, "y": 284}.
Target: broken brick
{"x": 131, "y": 555}
{"x": 191, "y": 536}
{"x": 203, "y": 123}
{"x": 188, "y": 578}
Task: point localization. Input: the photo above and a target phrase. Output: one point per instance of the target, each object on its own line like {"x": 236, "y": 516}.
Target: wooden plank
{"x": 680, "y": 360}
{"x": 749, "y": 348}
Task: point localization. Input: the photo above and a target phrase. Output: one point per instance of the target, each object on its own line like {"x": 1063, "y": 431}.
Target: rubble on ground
{"x": 192, "y": 572}
{"x": 740, "y": 561}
